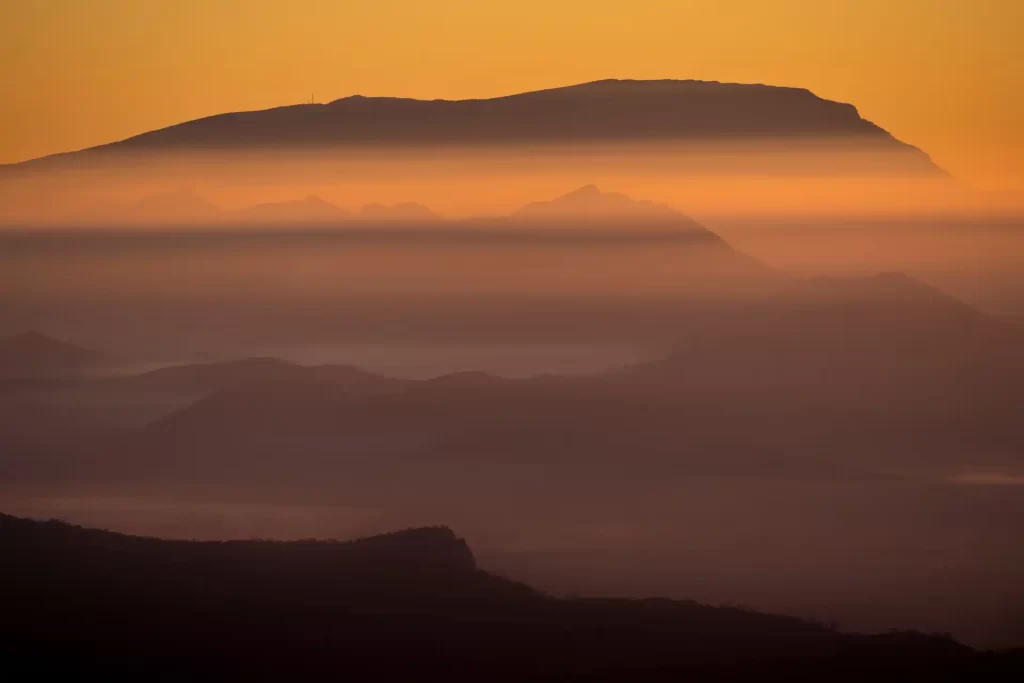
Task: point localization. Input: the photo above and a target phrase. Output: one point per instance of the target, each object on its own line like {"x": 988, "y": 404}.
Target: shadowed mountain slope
{"x": 803, "y": 374}
{"x": 31, "y": 354}
{"x": 833, "y": 377}
{"x": 846, "y": 333}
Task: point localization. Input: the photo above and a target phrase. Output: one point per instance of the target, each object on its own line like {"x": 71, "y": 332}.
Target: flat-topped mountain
{"x": 398, "y": 557}
{"x": 613, "y": 111}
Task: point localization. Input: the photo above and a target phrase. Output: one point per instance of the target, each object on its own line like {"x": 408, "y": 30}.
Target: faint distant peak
{"x": 29, "y": 337}
{"x": 32, "y": 354}
{"x": 591, "y": 202}
{"x": 33, "y": 339}
{"x": 315, "y": 200}
{"x": 310, "y": 208}
{"x": 586, "y": 192}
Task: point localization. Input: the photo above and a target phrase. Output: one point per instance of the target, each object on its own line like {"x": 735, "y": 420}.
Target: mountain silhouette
{"x": 406, "y": 554}
{"x": 802, "y": 373}
{"x": 589, "y": 202}
{"x": 312, "y": 209}
{"x": 31, "y": 354}
{"x": 411, "y": 602}
{"x": 601, "y": 111}
{"x": 823, "y": 350}
{"x": 855, "y": 333}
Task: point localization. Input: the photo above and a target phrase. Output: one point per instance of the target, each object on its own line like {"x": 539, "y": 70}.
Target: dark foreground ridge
{"x": 412, "y": 602}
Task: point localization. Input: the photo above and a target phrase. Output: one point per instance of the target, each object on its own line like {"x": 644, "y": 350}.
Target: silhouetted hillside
{"x": 602, "y": 111}
{"x": 886, "y": 333}
{"x": 801, "y": 374}
{"x": 397, "y": 560}
{"x": 590, "y": 203}
{"x": 790, "y": 387}
{"x": 85, "y": 601}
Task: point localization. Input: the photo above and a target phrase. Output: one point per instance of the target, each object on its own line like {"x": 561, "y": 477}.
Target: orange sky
{"x": 941, "y": 74}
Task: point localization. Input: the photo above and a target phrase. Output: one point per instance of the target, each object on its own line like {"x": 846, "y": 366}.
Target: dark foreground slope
{"x": 411, "y": 602}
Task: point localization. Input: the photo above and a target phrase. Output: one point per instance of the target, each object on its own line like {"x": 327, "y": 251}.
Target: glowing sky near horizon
{"x": 944, "y": 75}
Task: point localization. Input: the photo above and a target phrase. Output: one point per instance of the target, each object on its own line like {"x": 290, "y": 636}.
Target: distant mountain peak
{"x": 28, "y": 337}
{"x": 34, "y": 337}
{"x": 32, "y": 353}
{"x": 591, "y": 202}
{"x": 310, "y": 208}
{"x": 585, "y": 192}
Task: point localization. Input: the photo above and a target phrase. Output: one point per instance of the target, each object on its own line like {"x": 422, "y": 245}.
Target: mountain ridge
{"x": 416, "y": 593}
{"x": 604, "y": 110}
{"x": 410, "y": 603}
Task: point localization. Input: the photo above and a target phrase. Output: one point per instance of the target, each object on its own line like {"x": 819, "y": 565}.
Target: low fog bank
{"x": 168, "y": 297}
{"x": 602, "y": 401}
{"x": 808, "y": 176}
